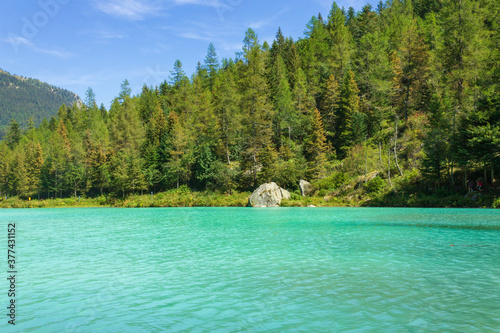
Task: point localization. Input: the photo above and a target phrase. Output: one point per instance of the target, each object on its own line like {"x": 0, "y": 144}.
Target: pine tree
{"x": 330, "y": 106}
{"x": 5, "y": 166}
{"x": 293, "y": 64}
{"x": 147, "y": 103}
{"x": 178, "y": 167}
{"x": 19, "y": 177}
{"x": 410, "y": 68}
{"x": 34, "y": 158}
{"x": 339, "y": 40}
{"x": 126, "y": 128}
{"x": 178, "y": 75}
{"x": 314, "y": 54}
{"x": 268, "y": 158}
{"x": 125, "y": 91}
{"x": 349, "y": 107}
{"x": 13, "y": 134}
{"x": 462, "y": 49}
{"x": 226, "y": 101}
{"x": 135, "y": 177}
{"x": 90, "y": 102}
{"x": 211, "y": 64}
{"x": 303, "y": 105}
{"x": 254, "y": 105}
{"x": 315, "y": 147}
{"x": 286, "y": 118}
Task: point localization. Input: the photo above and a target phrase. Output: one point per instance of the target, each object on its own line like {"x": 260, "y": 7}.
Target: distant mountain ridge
{"x": 22, "y": 98}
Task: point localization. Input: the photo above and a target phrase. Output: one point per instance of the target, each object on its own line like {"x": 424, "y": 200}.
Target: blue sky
{"x": 76, "y": 44}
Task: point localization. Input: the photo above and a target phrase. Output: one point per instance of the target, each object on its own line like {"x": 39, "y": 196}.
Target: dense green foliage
{"x": 394, "y": 105}
{"x": 25, "y": 100}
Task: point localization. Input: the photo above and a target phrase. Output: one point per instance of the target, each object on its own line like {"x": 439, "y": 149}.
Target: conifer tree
{"x": 339, "y": 40}
{"x": 211, "y": 64}
{"x": 5, "y": 166}
{"x": 178, "y": 167}
{"x": 126, "y": 128}
{"x": 410, "y": 68}
{"x": 286, "y": 118}
{"x": 254, "y": 105}
{"x": 178, "y": 75}
{"x": 462, "y": 49}
{"x": 316, "y": 147}
{"x": 303, "y": 104}
{"x": 19, "y": 178}
{"x": 34, "y": 158}
{"x": 226, "y": 100}
{"x": 13, "y": 134}
{"x": 330, "y": 106}
{"x": 268, "y": 158}
{"x": 349, "y": 107}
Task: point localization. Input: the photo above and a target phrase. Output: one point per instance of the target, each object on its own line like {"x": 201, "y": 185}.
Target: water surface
{"x": 264, "y": 270}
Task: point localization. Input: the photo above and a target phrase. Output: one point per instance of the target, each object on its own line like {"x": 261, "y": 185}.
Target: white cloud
{"x": 195, "y": 35}
{"x": 207, "y": 3}
{"x": 265, "y": 22}
{"x": 102, "y": 34}
{"x": 17, "y": 41}
{"x": 139, "y": 9}
{"x": 129, "y": 9}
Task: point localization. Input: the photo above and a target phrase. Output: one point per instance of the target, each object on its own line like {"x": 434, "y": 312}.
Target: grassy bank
{"x": 329, "y": 192}
{"x": 210, "y": 199}
{"x": 174, "y": 198}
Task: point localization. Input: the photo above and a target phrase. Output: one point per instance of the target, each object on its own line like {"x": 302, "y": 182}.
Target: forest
{"x": 384, "y": 104}
{"x": 22, "y": 98}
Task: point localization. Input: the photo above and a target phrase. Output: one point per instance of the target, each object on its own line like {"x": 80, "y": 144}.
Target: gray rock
{"x": 268, "y": 195}
{"x": 311, "y": 206}
{"x": 305, "y": 188}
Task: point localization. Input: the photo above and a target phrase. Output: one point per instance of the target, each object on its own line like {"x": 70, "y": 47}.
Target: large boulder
{"x": 268, "y": 195}
{"x": 305, "y": 188}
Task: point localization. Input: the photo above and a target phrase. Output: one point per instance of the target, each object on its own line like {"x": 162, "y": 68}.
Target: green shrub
{"x": 332, "y": 182}
{"x": 375, "y": 185}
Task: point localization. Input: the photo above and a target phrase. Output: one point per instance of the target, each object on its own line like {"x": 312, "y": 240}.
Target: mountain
{"x": 22, "y": 98}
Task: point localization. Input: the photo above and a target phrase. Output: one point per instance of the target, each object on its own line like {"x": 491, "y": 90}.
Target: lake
{"x": 257, "y": 270}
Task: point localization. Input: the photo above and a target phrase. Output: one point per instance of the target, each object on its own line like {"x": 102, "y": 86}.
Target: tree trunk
{"x": 395, "y": 151}
{"x": 407, "y": 98}
{"x": 453, "y": 144}
{"x": 466, "y": 179}
{"x": 380, "y": 153}
{"x": 227, "y": 154}
{"x": 289, "y": 136}
{"x": 366, "y": 161}
{"x": 389, "y": 166}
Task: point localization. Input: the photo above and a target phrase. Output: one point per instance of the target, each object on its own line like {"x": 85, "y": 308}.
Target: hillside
{"x": 22, "y": 98}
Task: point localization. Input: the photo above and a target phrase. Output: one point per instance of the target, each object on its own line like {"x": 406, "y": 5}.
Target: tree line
{"x": 413, "y": 84}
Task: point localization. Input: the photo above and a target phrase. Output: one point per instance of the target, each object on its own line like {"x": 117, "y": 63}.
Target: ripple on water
{"x": 175, "y": 270}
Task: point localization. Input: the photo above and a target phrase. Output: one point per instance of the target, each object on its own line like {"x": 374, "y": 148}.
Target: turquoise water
{"x": 255, "y": 270}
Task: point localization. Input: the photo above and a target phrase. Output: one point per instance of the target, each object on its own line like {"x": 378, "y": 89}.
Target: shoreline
{"x": 185, "y": 199}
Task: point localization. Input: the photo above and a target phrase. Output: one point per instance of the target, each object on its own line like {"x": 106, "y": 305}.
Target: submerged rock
{"x": 305, "y": 188}
{"x": 268, "y": 195}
